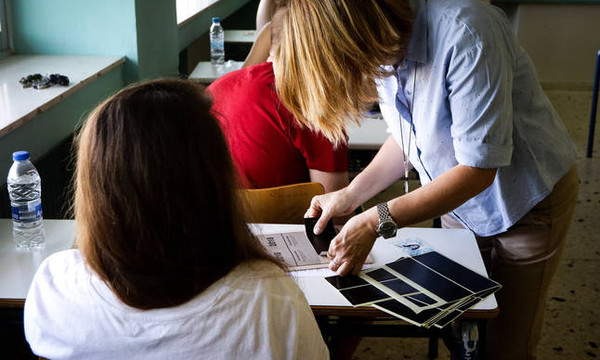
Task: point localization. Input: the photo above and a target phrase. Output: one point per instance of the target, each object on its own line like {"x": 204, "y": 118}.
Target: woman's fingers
{"x": 350, "y": 248}
{"x": 328, "y": 206}
{"x": 344, "y": 266}
{"x": 315, "y": 208}
{"x": 321, "y": 206}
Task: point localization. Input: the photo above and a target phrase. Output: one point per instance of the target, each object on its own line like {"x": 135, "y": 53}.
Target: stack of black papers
{"x": 426, "y": 290}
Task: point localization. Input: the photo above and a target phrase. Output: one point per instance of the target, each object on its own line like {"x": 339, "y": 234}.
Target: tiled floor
{"x": 572, "y": 323}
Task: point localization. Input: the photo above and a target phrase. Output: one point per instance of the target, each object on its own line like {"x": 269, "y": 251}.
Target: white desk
{"x": 369, "y": 135}
{"x": 457, "y": 244}
{"x": 17, "y": 268}
{"x": 240, "y": 36}
{"x": 205, "y": 72}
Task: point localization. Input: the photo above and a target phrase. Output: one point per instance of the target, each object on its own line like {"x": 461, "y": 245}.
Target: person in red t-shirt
{"x": 268, "y": 145}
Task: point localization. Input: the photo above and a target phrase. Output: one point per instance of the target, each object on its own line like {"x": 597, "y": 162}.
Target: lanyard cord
{"x": 405, "y": 156}
{"x": 406, "y": 152}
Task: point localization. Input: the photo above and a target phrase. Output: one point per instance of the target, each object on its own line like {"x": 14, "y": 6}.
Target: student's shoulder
{"x": 263, "y": 275}
{"x": 62, "y": 262}
{"x": 259, "y": 270}
{"x": 63, "y": 272}
{"x": 61, "y": 276}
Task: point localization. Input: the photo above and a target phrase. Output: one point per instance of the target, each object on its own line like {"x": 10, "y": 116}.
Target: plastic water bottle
{"x": 25, "y": 192}
{"x": 217, "y": 42}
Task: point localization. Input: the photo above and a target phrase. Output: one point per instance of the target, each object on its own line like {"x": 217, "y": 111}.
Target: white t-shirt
{"x": 255, "y": 312}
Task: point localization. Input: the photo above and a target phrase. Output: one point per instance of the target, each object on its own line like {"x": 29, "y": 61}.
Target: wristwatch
{"x": 387, "y": 227}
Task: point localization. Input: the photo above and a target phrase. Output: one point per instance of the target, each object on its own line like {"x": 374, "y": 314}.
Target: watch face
{"x": 387, "y": 229}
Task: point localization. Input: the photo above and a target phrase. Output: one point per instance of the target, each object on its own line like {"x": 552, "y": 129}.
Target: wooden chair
{"x": 280, "y": 205}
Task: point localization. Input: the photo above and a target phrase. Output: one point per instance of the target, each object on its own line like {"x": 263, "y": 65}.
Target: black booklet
{"x": 319, "y": 242}
{"x": 427, "y": 289}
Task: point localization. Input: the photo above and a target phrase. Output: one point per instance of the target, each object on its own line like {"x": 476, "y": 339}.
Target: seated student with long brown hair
{"x": 166, "y": 266}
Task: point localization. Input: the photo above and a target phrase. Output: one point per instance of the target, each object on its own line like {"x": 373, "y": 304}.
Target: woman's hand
{"x": 350, "y": 248}
{"x": 333, "y": 204}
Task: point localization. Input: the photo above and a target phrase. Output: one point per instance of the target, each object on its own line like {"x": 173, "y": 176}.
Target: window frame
{"x": 197, "y": 8}
{"x": 5, "y": 46}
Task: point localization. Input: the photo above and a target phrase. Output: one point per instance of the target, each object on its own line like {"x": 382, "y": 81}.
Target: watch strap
{"x": 383, "y": 211}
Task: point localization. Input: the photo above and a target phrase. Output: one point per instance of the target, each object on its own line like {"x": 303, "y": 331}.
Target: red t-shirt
{"x": 268, "y": 146}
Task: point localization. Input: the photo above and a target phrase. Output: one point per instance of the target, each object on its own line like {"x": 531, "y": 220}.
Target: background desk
{"x": 240, "y": 36}
{"x": 205, "y": 72}
{"x": 369, "y": 135}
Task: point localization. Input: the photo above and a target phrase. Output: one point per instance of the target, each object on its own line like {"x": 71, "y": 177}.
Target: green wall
{"x": 50, "y": 127}
{"x": 42, "y": 135}
{"x": 145, "y": 31}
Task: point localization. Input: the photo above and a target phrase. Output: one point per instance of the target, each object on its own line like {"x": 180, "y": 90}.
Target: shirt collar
{"x": 417, "y": 45}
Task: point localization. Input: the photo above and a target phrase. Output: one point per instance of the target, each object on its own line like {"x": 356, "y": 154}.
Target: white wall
{"x": 563, "y": 41}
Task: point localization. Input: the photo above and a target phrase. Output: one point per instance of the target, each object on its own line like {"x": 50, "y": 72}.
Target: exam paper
{"x": 294, "y": 249}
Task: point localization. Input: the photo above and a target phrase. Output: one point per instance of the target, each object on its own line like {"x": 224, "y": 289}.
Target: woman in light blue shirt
{"x": 464, "y": 107}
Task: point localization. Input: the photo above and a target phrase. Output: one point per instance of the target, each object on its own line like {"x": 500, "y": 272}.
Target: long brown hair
{"x": 331, "y": 52}
{"x": 155, "y": 195}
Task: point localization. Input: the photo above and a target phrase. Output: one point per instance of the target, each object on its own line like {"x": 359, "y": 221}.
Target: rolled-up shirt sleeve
{"x": 479, "y": 83}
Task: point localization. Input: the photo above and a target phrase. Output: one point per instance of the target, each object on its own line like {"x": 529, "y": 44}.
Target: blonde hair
{"x": 331, "y": 52}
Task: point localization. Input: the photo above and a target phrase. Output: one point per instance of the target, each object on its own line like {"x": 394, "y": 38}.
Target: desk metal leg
{"x": 594, "y": 108}
{"x": 348, "y": 327}
{"x": 482, "y": 328}
{"x": 322, "y": 322}
{"x": 432, "y": 348}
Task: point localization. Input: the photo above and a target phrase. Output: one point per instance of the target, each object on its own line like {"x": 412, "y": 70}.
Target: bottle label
{"x": 32, "y": 211}
{"x": 217, "y": 45}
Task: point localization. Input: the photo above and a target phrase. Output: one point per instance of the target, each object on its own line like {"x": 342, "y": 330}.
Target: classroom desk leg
{"x": 594, "y": 108}
{"x": 322, "y": 322}
{"x": 482, "y": 329}
{"x": 432, "y": 347}
{"x": 334, "y": 326}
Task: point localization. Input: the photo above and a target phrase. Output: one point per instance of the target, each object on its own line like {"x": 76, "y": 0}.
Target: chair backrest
{"x": 282, "y": 204}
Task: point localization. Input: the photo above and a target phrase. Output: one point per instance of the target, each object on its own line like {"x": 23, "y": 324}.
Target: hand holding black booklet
{"x": 300, "y": 250}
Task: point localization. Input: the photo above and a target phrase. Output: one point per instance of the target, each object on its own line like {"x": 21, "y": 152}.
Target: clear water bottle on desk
{"x": 25, "y": 192}
{"x": 217, "y": 42}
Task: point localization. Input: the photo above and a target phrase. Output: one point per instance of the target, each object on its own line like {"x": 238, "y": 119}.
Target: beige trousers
{"x": 523, "y": 260}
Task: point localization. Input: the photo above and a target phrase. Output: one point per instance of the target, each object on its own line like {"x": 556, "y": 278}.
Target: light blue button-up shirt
{"x": 467, "y": 93}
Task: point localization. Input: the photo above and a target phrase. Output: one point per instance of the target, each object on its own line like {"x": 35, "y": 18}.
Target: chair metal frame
{"x": 592, "y": 128}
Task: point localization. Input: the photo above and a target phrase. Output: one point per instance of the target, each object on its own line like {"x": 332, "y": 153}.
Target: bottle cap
{"x": 216, "y": 19}
{"x": 20, "y": 155}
